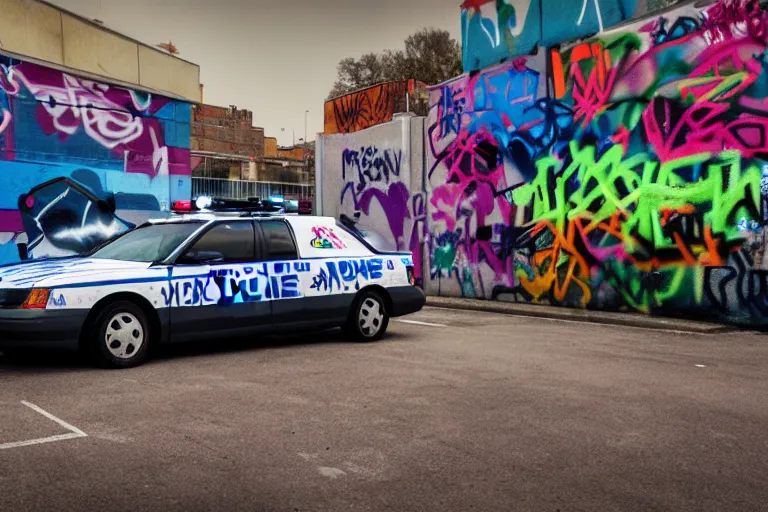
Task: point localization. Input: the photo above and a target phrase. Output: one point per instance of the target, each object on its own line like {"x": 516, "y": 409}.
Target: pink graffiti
{"x": 325, "y": 237}
{"x": 726, "y": 17}
{"x": 7, "y": 118}
{"x": 468, "y": 199}
{"x": 706, "y": 132}
{"x": 108, "y": 115}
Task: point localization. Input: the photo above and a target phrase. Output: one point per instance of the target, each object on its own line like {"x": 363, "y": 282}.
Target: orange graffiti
{"x": 368, "y": 107}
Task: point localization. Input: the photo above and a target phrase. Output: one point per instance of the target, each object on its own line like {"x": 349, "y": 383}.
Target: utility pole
{"x": 306, "y": 112}
{"x": 294, "y": 134}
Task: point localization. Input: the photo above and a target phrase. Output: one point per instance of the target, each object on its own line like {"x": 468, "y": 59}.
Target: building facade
{"x": 85, "y": 152}
{"x": 231, "y": 158}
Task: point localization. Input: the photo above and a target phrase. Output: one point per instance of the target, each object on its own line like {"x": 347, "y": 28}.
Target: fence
{"x": 240, "y": 189}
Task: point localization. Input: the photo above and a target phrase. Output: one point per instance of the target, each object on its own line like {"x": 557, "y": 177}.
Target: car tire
{"x": 120, "y": 336}
{"x": 368, "y": 318}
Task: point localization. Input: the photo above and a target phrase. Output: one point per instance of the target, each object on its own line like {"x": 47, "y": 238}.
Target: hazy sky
{"x": 276, "y": 58}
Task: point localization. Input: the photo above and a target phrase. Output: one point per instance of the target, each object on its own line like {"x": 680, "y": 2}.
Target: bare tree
{"x": 430, "y": 55}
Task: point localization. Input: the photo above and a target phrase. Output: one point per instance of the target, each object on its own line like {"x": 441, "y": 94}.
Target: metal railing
{"x": 241, "y": 189}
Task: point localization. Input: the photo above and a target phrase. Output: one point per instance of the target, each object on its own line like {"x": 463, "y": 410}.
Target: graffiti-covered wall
{"x": 81, "y": 160}
{"x": 375, "y": 176}
{"x": 362, "y": 109}
{"x": 627, "y": 171}
{"x": 494, "y": 30}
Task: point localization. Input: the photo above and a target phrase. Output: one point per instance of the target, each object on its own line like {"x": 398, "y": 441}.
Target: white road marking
{"x": 332, "y": 473}
{"x": 74, "y": 432}
{"x": 416, "y": 322}
{"x": 700, "y": 366}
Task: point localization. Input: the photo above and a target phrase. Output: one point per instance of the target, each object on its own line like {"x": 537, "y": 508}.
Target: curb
{"x": 580, "y": 315}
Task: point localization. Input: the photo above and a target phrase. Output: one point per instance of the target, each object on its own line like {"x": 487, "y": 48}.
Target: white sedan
{"x": 205, "y": 276}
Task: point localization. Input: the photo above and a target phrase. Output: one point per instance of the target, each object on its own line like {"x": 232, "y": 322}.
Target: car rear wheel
{"x": 121, "y": 335}
{"x": 369, "y": 318}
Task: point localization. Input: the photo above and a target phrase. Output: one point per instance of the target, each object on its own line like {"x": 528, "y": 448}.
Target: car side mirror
{"x": 201, "y": 258}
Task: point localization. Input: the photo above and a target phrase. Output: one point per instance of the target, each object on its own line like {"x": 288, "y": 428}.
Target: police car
{"x": 206, "y": 275}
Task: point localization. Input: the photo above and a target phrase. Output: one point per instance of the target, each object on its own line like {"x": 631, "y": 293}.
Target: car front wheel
{"x": 121, "y": 335}
{"x": 368, "y": 319}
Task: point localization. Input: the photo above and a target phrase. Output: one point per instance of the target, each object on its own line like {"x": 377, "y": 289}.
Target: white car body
{"x": 191, "y": 301}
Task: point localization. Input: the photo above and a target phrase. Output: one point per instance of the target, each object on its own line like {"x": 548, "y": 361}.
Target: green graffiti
{"x": 444, "y": 258}
{"x": 639, "y": 188}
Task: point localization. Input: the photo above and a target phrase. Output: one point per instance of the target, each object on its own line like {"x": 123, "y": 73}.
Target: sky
{"x": 275, "y": 58}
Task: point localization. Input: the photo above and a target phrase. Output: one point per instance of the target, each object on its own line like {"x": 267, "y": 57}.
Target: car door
{"x": 290, "y": 278}
{"x": 223, "y": 295}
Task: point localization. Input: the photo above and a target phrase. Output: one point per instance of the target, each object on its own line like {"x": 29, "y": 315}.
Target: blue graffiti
{"x": 495, "y": 31}
{"x": 301, "y": 267}
{"x": 60, "y": 302}
{"x": 451, "y": 109}
{"x": 682, "y": 26}
{"x": 344, "y": 275}
{"x": 241, "y": 285}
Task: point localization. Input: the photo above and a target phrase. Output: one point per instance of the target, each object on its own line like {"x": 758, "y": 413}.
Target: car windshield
{"x": 148, "y": 243}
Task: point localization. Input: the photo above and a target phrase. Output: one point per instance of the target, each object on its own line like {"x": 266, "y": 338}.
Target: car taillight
{"x": 37, "y": 299}
{"x": 411, "y": 275}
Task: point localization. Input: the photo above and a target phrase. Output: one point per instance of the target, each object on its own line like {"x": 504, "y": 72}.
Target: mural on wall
{"x": 373, "y": 181}
{"x": 628, "y": 171}
{"x": 494, "y": 30}
{"x": 81, "y": 161}
{"x": 360, "y": 110}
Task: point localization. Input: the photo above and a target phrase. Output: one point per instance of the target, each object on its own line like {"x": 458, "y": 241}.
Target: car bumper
{"x": 406, "y": 300}
{"x": 40, "y": 328}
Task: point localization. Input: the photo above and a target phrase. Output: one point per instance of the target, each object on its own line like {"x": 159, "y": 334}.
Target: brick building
{"x": 227, "y": 147}
{"x": 226, "y": 130}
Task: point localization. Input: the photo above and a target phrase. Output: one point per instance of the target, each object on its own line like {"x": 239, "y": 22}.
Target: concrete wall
{"x": 632, "y": 183}
{"x": 59, "y": 160}
{"x": 627, "y": 171}
{"x": 376, "y": 175}
{"x": 496, "y": 30}
{"x": 42, "y": 31}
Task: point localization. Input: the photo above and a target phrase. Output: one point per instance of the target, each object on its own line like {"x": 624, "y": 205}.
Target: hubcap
{"x": 371, "y": 317}
{"x": 124, "y": 336}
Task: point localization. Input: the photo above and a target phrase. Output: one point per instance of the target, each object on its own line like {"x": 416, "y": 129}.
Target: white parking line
{"x": 416, "y": 322}
{"x": 74, "y": 432}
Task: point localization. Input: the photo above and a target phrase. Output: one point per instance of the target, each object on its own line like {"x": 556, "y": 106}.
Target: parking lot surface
{"x": 451, "y": 411}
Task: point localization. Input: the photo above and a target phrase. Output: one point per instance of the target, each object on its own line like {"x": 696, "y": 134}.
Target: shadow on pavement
{"x": 44, "y": 361}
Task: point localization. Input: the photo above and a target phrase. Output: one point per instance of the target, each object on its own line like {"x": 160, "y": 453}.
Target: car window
{"x": 233, "y": 240}
{"x": 376, "y": 241}
{"x": 148, "y": 243}
{"x": 280, "y": 244}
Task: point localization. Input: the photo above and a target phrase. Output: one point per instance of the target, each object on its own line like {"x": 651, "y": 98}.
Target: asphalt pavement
{"x": 452, "y": 411}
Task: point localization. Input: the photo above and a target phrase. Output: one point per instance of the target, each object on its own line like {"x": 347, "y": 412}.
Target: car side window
{"x": 280, "y": 244}
{"x": 224, "y": 243}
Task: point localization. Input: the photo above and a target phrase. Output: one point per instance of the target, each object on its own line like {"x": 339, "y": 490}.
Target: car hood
{"x": 57, "y": 272}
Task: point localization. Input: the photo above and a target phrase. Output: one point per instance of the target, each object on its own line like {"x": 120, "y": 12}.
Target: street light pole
{"x": 294, "y": 134}
{"x": 306, "y": 112}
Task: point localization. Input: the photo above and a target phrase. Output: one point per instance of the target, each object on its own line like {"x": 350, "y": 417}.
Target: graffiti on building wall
{"x": 375, "y": 193}
{"x": 371, "y": 176}
{"x": 360, "y": 110}
{"x": 635, "y": 180}
{"x": 77, "y": 157}
{"x": 494, "y": 30}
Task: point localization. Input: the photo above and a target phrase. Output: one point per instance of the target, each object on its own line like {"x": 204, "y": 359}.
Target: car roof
{"x": 229, "y": 216}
